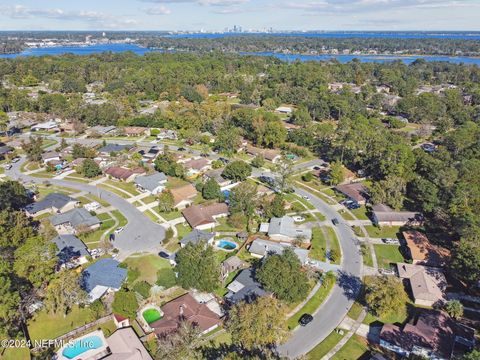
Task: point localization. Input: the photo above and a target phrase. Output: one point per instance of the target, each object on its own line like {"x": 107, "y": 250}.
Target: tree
{"x": 166, "y": 201}
{"x": 211, "y": 190}
{"x": 3, "y": 121}
{"x": 90, "y": 168}
{"x": 33, "y": 148}
{"x": 337, "y": 174}
{"x": 474, "y": 355}
{"x": 274, "y": 208}
{"x": 237, "y": 171}
{"x": 13, "y": 195}
{"x": 125, "y": 303}
{"x": 384, "y": 294}
{"x": 284, "y": 170}
{"x": 181, "y": 344}
{"x": 259, "y": 324}
{"x": 243, "y": 200}
{"x": 227, "y": 139}
{"x": 301, "y": 117}
{"x": 466, "y": 258}
{"x": 390, "y": 191}
{"x": 258, "y": 161}
{"x": 454, "y": 308}
{"x": 292, "y": 286}
{"x": 64, "y": 291}
{"x": 198, "y": 267}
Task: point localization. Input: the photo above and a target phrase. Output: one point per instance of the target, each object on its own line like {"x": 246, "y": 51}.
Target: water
{"x": 81, "y": 346}
{"x": 119, "y": 48}
{"x": 226, "y": 245}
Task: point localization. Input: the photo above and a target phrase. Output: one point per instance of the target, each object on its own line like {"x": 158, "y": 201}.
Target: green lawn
{"x": 334, "y": 244}
{"x": 183, "y": 230}
{"x": 224, "y": 226}
{"x": 170, "y": 215}
{"x": 360, "y": 213}
{"x": 355, "y": 348}
{"x": 122, "y": 220}
{"x": 355, "y": 310}
{"x": 174, "y": 182}
{"x": 384, "y": 232}
{"x": 92, "y": 239}
{"x": 325, "y": 346}
{"x": 387, "y": 254}
{"x": 128, "y": 187}
{"x": 222, "y": 290}
{"x": 317, "y": 299}
{"x": 346, "y": 215}
{"x": 147, "y": 266}
{"x": 319, "y": 243}
{"x": 367, "y": 256}
{"x": 397, "y": 316}
{"x": 318, "y": 194}
{"x": 16, "y": 354}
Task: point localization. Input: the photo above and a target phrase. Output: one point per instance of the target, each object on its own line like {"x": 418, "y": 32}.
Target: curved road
{"x": 333, "y": 310}
{"x": 139, "y": 235}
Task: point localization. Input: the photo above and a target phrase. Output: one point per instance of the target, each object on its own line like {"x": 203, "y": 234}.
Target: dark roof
{"x": 5, "y": 150}
{"x": 69, "y": 247}
{"x": 245, "y": 287}
{"x": 109, "y": 148}
{"x": 196, "y": 236}
{"x": 355, "y": 191}
{"x": 202, "y": 215}
{"x": 52, "y": 200}
{"x": 105, "y": 272}
{"x": 75, "y": 217}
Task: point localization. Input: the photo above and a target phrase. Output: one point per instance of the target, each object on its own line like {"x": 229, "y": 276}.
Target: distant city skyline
{"x": 260, "y": 15}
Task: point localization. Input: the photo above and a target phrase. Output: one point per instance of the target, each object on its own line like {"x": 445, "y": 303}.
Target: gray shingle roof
{"x": 286, "y": 226}
{"x": 109, "y": 148}
{"x": 245, "y": 287}
{"x": 264, "y": 247}
{"x": 150, "y": 182}
{"x": 75, "y": 217}
{"x": 196, "y": 236}
{"x": 69, "y": 246}
{"x": 105, "y": 272}
{"x": 52, "y": 200}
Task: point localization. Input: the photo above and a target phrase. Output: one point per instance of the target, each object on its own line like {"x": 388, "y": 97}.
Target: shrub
{"x": 166, "y": 278}
{"x": 143, "y": 288}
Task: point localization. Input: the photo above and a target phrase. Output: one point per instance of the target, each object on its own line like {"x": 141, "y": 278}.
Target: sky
{"x": 216, "y": 15}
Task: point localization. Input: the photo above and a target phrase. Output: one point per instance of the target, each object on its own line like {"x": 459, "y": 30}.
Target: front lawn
{"x": 361, "y": 213}
{"x": 334, "y": 244}
{"x": 183, "y": 230}
{"x": 355, "y": 310}
{"x": 325, "y": 346}
{"x": 319, "y": 244}
{"x": 367, "y": 255}
{"x": 147, "y": 267}
{"x": 387, "y": 254}
{"x": 346, "y": 215}
{"x": 355, "y": 348}
{"x": 172, "y": 215}
{"x": 383, "y": 232}
{"x": 128, "y": 187}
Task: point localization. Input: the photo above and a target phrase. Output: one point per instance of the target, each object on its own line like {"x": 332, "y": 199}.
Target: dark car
{"x": 305, "y": 319}
{"x": 164, "y": 255}
{"x": 181, "y": 149}
{"x": 335, "y": 221}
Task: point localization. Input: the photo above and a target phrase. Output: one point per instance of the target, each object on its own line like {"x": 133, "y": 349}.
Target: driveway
{"x": 139, "y": 235}
{"x": 335, "y": 308}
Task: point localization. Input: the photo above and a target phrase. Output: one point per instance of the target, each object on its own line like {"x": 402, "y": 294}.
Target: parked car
{"x": 316, "y": 168}
{"x": 353, "y": 206}
{"x": 181, "y": 149}
{"x": 305, "y": 319}
{"x": 8, "y": 166}
{"x": 335, "y": 221}
{"x": 389, "y": 272}
{"x": 15, "y": 159}
{"x": 119, "y": 230}
{"x": 298, "y": 218}
{"x": 306, "y": 197}
{"x": 164, "y": 255}
{"x": 391, "y": 241}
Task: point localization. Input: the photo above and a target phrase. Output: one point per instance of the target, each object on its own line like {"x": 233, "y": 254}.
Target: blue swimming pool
{"x": 226, "y": 245}
{"x": 82, "y": 345}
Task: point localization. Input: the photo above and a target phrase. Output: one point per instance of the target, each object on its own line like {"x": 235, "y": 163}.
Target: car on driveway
{"x": 164, "y": 255}
{"x": 305, "y": 319}
{"x": 8, "y": 166}
{"x": 391, "y": 241}
{"x": 15, "y": 159}
{"x": 335, "y": 221}
{"x": 388, "y": 272}
{"x": 298, "y": 218}
{"x": 119, "y": 230}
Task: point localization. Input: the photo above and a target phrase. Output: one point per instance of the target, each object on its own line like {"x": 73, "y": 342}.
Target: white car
{"x": 298, "y": 218}
{"x": 306, "y": 197}
{"x": 119, "y": 230}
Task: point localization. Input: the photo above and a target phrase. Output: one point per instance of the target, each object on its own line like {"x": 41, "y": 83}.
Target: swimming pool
{"x": 227, "y": 245}
{"x": 151, "y": 315}
{"x": 81, "y": 346}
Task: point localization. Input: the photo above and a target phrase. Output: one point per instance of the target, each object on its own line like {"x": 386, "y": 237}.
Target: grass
{"x": 224, "y": 226}
{"x": 128, "y": 187}
{"x": 397, "y": 316}
{"x": 147, "y": 266}
{"x": 222, "y": 290}
{"x": 334, "y": 244}
{"x": 355, "y": 310}
{"x": 387, "y": 254}
{"x": 367, "y": 256}
{"x": 319, "y": 245}
{"x": 174, "y": 182}
{"x": 384, "y": 232}
{"x": 325, "y": 346}
{"x": 360, "y": 213}
{"x": 115, "y": 191}
{"x": 317, "y": 193}
{"x": 346, "y": 215}
{"x": 183, "y": 230}
{"x": 317, "y": 299}
{"x": 355, "y": 348}
{"x": 122, "y": 220}
{"x": 170, "y": 215}
{"x": 15, "y": 354}
{"x": 92, "y": 238}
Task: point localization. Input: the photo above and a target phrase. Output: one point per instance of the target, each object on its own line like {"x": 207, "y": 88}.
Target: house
{"x": 233, "y": 263}
{"x": 68, "y": 127}
{"x": 100, "y": 130}
{"x": 382, "y": 88}
{"x": 4, "y": 151}
{"x": 77, "y": 163}
{"x": 72, "y": 251}
{"x": 124, "y": 174}
{"x": 135, "y": 131}
{"x": 204, "y": 217}
{"x": 422, "y": 252}
{"x": 284, "y": 110}
{"x": 149, "y": 155}
{"x": 432, "y": 334}
{"x": 125, "y": 344}
{"x": 268, "y": 154}
{"x": 167, "y": 135}
{"x": 113, "y": 148}
{"x": 183, "y": 196}
{"x": 428, "y": 284}
{"x": 196, "y": 236}
{"x": 383, "y": 215}
{"x": 356, "y": 192}
{"x": 244, "y": 288}
{"x": 75, "y": 221}
{"x": 198, "y": 166}
{"x": 284, "y": 229}
{"x": 50, "y": 125}
{"x": 217, "y": 176}
{"x": 103, "y": 276}
{"x": 260, "y": 248}
{"x": 120, "y": 321}
{"x": 185, "y": 308}
{"x": 52, "y": 203}
{"x": 152, "y": 184}
{"x": 50, "y": 156}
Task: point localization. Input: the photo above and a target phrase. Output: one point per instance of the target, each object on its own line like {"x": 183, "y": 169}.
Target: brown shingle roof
{"x": 201, "y": 215}
{"x": 427, "y": 283}
{"x": 134, "y": 130}
{"x": 268, "y": 154}
{"x": 355, "y": 191}
{"x": 183, "y": 193}
{"x": 423, "y": 251}
{"x": 123, "y": 173}
{"x": 185, "y": 308}
{"x": 196, "y": 164}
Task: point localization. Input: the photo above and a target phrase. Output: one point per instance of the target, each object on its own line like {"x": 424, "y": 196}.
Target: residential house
{"x": 422, "y": 252}
{"x": 217, "y": 176}
{"x": 427, "y": 284}
{"x": 68, "y": 127}
{"x": 121, "y": 321}
{"x": 52, "y": 203}
{"x": 245, "y": 288}
{"x": 268, "y": 154}
{"x": 233, "y": 263}
{"x": 149, "y": 155}
{"x": 260, "y": 248}
{"x": 131, "y": 131}
{"x": 4, "y": 151}
{"x": 195, "y": 167}
{"x": 284, "y": 110}
{"x": 108, "y": 149}
{"x": 385, "y": 89}
{"x": 356, "y": 192}
{"x": 75, "y": 221}
{"x": 197, "y": 236}
{"x": 50, "y": 156}
{"x": 284, "y": 229}
{"x": 50, "y": 125}
{"x": 103, "y": 276}
{"x": 383, "y": 215}
{"x": 185, "y": 308}
{"x": 167, "y": 135}
{"x": 124, "y": 174}
{"x": 72, "y": 251}
{"x": 152, "y": 184}
{"x": 100, "y": 130}
{"x": 205, "y": 217}
{"x": 432, "y": 334}
{"x": 183, "y": 196}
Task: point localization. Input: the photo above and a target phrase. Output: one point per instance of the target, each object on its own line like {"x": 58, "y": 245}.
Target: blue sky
{"x": 250, "y": 14}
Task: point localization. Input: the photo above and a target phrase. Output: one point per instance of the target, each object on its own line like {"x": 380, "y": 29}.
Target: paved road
{"x": 334, "y": 309}
{"x": 140, "y": 234}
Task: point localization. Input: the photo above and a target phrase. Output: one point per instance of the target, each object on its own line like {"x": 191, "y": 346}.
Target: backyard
{"x": 146, "y": 267}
